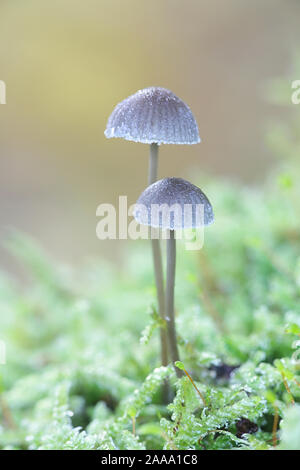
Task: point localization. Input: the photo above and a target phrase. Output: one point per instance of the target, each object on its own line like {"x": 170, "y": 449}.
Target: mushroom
{"x": 164, "y": 204}
{"x": 154, "y": 116}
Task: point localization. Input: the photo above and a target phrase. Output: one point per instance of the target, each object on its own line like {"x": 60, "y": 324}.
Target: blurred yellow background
{"x": 67, "y": 63}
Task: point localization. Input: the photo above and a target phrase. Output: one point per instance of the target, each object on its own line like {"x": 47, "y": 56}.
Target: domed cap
{"x": 153, "y": 115}
{"x": 173, "y": 203}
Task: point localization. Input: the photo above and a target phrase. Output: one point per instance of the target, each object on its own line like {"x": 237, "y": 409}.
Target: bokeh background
{"x": 67, "y": 63}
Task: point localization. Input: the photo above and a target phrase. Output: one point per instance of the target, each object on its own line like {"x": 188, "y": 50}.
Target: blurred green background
{"x": 67, "y": 63}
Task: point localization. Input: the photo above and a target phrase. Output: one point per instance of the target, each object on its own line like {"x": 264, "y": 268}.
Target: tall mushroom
{"x": 172, "y": 204}
{"x": 154, "y": 116}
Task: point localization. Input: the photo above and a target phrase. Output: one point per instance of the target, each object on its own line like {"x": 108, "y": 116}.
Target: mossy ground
{"x": 82, "y": 349}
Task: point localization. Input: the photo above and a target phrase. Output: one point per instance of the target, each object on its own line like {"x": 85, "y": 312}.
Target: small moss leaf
{"x": 179, "y": 365}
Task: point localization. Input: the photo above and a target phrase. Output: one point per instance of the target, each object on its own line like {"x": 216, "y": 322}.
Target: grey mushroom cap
{"x": 153, "y": 115}
{"x": 173, "y": 203}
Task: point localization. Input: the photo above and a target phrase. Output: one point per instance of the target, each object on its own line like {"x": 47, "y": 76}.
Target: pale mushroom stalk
{"x": 158, "y": 269}
{"x": 153, "y": 163}
{"x": 158, "y": 272}
{"x": 170, "y": 287}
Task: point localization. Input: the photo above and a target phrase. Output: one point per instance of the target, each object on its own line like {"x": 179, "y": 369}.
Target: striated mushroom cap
{"x": 173, "y": 203}
{"x": 153, "y": 115}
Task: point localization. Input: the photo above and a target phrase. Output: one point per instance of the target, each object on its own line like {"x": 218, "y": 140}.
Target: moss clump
{"x": 78, "y": 377}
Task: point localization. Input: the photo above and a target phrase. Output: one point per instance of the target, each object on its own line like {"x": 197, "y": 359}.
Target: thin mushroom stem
{"x": 170, "y": 286}
{"x": 157, "y": 261}
{"x": 153, "y": 164}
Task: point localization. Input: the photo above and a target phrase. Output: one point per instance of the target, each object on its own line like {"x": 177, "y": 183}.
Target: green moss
{"x": 78, "y": 375}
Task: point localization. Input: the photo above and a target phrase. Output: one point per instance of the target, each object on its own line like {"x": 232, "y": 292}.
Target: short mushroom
{"x": 164, "y": 204}
{"x": 154, "y": 116}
